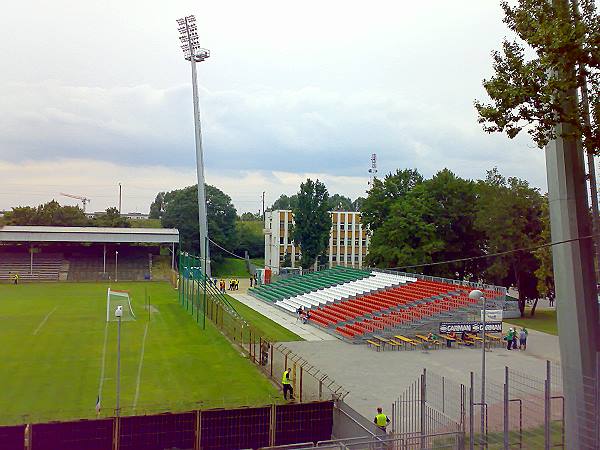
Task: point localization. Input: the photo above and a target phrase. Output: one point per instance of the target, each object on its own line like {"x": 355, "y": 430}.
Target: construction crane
{"x": 84, "y": 200}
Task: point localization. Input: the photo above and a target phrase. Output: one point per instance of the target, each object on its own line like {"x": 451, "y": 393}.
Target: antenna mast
{"x": 373, "y": 169}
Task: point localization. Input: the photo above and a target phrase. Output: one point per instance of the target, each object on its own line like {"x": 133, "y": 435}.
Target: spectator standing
{"x": 381, "y": 420}
{"x": 255, "y": 280}
{"x": 251, "y": 280}
{"x": 306, "y": 316}
{"x": 523, "y": 338}
{"x": 451, "y": 337}
{"x": 509, "y": 338}
{"x": 287, "y": 385}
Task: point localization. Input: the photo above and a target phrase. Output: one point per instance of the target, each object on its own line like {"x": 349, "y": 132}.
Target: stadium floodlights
{"x": 114, "y": 299}
{"x": 190, "y": 42}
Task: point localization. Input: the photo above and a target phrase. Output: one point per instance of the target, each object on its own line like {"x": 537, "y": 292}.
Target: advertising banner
{"x": 470, "y": 327}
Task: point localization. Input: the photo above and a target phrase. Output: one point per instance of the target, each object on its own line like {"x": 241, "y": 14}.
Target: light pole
{"x": 119, "y": 197}
{"x": 116, "y": 265}
{"x": 192, "y": 52}
{"x": 118, "y": 315}
{"x": 476, "y": 294}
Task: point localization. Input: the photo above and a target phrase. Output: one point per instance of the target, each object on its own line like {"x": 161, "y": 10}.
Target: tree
{"x": 452, "y": 205}
{"x": 528, "y": 92}
{"x": 405, "y": 237}
{"x": 312, "y": 221}
{"x": 383, "y": 194}
{"x": 339, "y": 202}
{"x": 509, "y": 214}
{"x": 250, "y": 238}
{"x": 357, "y": 204}
{"x": 111, "y": 218}
{"x": 157, "y": 206}
{"x": 48, "y": 214}
{"x": 250, "y": 217}
{"x": 431, "y": 222}
{"x": 285, "y": 202}
{"x": 180, "y": 210}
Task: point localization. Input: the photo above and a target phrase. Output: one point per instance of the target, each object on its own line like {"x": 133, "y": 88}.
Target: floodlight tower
{"x": 190, "y": 44}
{"x": 373, "y": 169}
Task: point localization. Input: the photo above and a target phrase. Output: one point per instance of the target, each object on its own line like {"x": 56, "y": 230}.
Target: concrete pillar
{"x": 576, "y": 299}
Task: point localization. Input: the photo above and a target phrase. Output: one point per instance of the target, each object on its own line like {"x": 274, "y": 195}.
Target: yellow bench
{"x": 406, "y": 341}
{"x": 427, "y": 341}
{"x": 371, "y": 343}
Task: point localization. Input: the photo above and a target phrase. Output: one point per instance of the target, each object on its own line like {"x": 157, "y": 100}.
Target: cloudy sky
{"x": 95, "y": 93}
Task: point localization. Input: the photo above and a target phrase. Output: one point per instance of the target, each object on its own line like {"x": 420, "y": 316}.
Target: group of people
{"x": 302, "y": 315}
{"x": 253, "y": 280}
{"x": 234, "y": 284}
{"x": 511, "y": 339}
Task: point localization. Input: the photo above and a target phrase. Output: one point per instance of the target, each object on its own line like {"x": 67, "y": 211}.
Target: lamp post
{"x": 116, "y": 265}
{"x": 118, "y": 315}
{"x": 476, "y": 294}
{"x": 192, "y": 52}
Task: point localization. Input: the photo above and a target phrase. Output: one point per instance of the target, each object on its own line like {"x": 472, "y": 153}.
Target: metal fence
{"x": 501, "y": 291}
{"x": 523, "y": 412}
{"x": 407, "y": 441}
{"x": 220, "y": 429}
{"x": 203, "y": 300}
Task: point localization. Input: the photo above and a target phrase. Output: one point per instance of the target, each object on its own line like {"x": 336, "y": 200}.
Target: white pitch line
{"x": 139, "y": 374}
{"x": 103, "y": 361}
{"x": 44, "y": 321}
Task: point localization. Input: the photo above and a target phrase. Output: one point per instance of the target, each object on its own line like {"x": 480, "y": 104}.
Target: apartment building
{"x": 348, "y": 240}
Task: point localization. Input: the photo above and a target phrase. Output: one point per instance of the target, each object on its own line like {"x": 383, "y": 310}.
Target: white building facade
{"x": 348, "y": 240}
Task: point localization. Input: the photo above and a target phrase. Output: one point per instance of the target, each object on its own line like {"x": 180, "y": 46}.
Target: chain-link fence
{"x": 523, "y": 412}
{"x": 429, "y": 414}
{"x": 203, "y": 300}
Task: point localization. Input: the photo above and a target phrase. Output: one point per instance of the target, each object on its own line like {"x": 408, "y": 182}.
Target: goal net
{"x": 115, "y": 299}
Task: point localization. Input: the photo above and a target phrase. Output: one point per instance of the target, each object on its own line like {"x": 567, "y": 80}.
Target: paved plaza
{"x": 377, "y": 378}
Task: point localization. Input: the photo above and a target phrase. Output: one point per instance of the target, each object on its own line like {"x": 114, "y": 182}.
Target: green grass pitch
{"x": 52, "y": 355}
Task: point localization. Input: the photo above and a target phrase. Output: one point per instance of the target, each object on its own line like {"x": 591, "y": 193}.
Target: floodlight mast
{"x": 190, "y": 44}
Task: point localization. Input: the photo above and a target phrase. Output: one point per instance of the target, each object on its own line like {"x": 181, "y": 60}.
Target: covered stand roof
{"x": 89, "y": 234}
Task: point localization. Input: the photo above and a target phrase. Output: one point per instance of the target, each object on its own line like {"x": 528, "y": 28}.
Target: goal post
{"x": 116, "y": 298}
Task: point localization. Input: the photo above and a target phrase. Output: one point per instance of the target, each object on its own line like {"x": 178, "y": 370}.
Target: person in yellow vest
{"x": 16, "y": 278}
{"x": 287, "y": 385}
{"x": 381, "y": 420}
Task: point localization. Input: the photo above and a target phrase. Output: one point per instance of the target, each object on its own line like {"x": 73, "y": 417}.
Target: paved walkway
{"x": 539, "y": 345}
{"x": 306, "y": 332}
{"x": 377, "y": 378}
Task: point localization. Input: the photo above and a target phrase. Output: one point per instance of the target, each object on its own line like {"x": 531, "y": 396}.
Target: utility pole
{"x": 190, "y": 44}
{"x": 576, "y": 297}
{"x": 263, "y": 203}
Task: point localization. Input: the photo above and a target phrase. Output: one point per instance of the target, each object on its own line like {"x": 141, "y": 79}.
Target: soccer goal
{"x": 118, "y": 298}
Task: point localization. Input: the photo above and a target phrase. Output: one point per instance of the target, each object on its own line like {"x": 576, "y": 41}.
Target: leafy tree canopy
{"x": 382, "y": 195}
{"x": 527, "y": 92}
{"x": 180, "y": 210}
{"x": 312, "y": 221}
{"x": 53, "y": 214}
{"x": 111, "y": 218}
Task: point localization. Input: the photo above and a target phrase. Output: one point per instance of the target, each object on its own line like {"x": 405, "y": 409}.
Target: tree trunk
{"x": 521, "y": 303}
{"x": 521, "y": 291}
{"x": 533, "y": 307}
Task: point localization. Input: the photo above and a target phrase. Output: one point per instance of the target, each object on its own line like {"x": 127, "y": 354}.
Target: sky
{"x": 95, "y": 93}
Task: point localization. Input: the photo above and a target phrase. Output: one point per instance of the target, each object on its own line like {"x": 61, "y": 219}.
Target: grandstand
{"x": 40, "y": 253}
{"x": 356, "y": 305}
